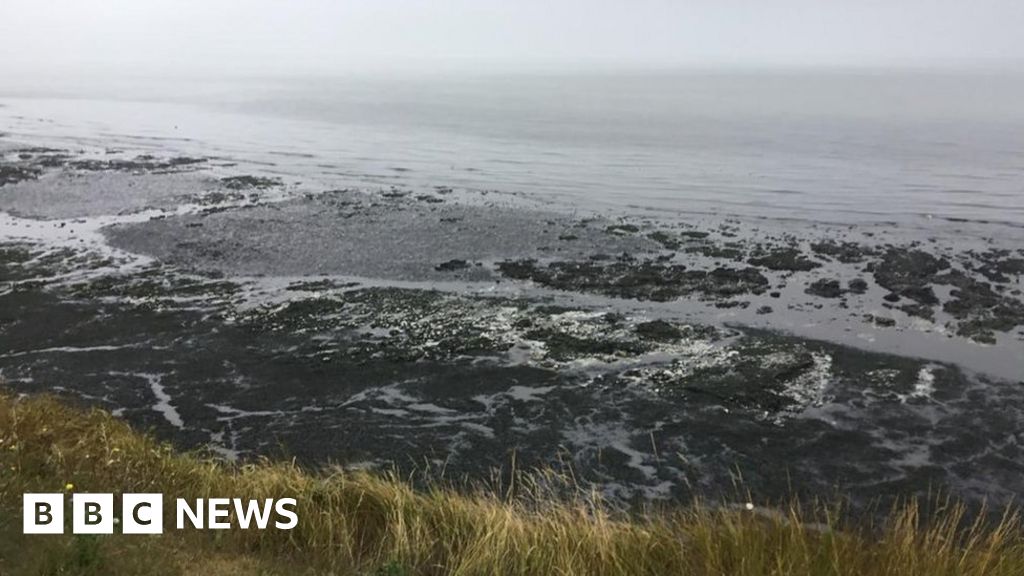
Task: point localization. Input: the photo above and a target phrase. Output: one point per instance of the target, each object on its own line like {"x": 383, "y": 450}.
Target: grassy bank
{"x": 357, "y": 523}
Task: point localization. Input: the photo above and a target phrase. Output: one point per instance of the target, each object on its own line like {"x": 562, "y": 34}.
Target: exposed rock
{"x": 858, "y": 286}
{"x": 247, "y": 182}
{"x": 825, "y": 288}
{"x": 845, "y": 252}
{"x": 697, "y": 234}
{"x": 452, "y": 265}
{"x": 908, "y": 273}
{"x": 10, "y": 174}
{"x": 981, "y": 309}
{"x": 143, "y": 163}
{"x": 622, "y": 229}
{"x": 665, "y": 239}
{"x": 879, "y": 320}
{"x": 788, "y": 259}
{"x": 658, "y": 330}
{"x": 648, "y": 280}
{"x": 919, "y": 310}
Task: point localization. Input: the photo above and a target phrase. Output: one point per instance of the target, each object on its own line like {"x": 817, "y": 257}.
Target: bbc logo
{"x": 93, "y": 513}
{"x": 144, "y": 513}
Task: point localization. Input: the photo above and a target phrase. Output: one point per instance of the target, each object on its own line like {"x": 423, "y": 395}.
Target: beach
{"x": 251, "y": 310}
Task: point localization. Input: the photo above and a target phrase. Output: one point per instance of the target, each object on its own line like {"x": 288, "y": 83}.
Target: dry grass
{"x": 358, "y": 523}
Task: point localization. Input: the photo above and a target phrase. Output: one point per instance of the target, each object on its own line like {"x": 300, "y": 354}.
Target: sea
{"x": 842, "y": 146}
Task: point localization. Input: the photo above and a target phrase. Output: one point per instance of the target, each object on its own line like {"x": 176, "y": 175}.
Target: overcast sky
{"x": 341, "y": 36}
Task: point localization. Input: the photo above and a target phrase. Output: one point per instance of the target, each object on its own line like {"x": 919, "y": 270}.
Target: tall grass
{"x": 362, "y": 523}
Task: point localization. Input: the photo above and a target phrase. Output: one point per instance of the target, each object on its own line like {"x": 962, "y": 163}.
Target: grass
{"x": 377, "y": 525}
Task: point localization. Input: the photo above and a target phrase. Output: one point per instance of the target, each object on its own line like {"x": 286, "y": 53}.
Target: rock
{"x": 452, "y": 266}
{"x": 788, "y": 259}
{"x": 646, "y": 280}
{"x": 622, "y": 229}
{"x": 825, "y": 288}
{"x": 696, "y": 234}
{"x": 858, "y": 286}
{"x": 143, "y": 163}
{"x": 908, "y": 273}
{"x": 246, "y": 182}
{"x": 845, "y": 252}
{"x": 980, "y": 308}
{"x": 919, "y": 310}
{"x": 760, "y": 378}
{"x": 880, "y": 320}
{"x": 659, "y": 331}
{"x": 922, "y": 294}
{"x": 15, "y": 174}
{"x": 665, "y": 239}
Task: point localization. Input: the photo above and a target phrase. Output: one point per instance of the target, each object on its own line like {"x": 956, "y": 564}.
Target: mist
{"x": 321, "y": 36}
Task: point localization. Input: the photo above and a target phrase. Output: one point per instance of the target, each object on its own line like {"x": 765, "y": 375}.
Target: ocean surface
{"x": 847, "y": 147}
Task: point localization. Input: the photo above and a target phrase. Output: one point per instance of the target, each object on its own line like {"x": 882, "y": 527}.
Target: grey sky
{"x": 338, "y": 36}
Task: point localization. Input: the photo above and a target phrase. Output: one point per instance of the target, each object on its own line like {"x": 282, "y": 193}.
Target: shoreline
{"x": 349, "y": 153}
{"x": 617, "y": 340}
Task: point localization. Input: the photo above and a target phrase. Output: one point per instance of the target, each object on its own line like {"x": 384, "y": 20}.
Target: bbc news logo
{"x": 144, "y": 513}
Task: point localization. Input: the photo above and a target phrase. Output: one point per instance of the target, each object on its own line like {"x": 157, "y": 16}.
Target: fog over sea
{"x": 837, "y": 146}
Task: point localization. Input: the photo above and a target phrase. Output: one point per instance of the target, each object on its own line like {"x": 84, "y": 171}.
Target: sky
{"x": 336, "y": 36}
